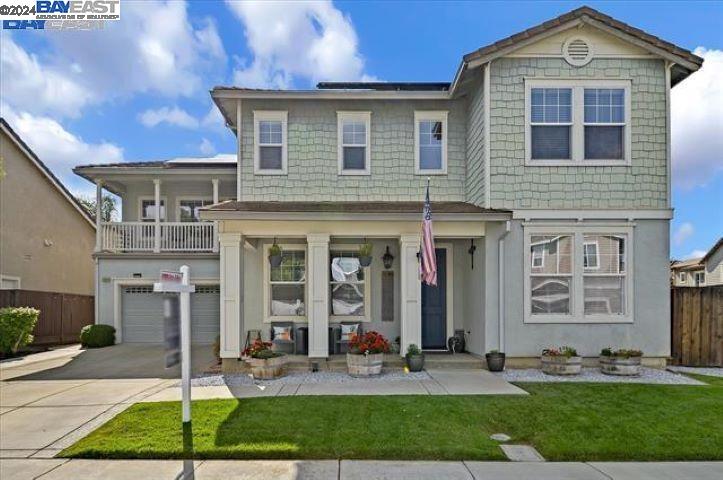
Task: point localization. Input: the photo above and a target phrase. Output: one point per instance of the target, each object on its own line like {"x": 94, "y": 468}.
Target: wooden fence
{"x": 697, "y": 325}
{"x": 62, "y": 315}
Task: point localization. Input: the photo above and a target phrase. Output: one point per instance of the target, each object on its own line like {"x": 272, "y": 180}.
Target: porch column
{"x": 98, "y": 214}
{"x": 411, "y": 292}
{"x": 232, "y": 294}
{"x": 157, "y": 215}
{"x": 214, "y": 182}
{"x": 317, "y": 281}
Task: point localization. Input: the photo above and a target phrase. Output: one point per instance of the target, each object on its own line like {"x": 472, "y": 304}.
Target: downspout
{"x": 501, "y": 286}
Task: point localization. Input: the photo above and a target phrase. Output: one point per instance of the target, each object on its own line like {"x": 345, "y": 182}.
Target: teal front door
{"x": 434, "y": 307}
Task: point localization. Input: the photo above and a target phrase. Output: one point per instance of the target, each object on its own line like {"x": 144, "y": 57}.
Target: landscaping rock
{"x": 500, "y": 437}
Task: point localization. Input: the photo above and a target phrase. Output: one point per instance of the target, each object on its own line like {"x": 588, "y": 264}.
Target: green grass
{"x": 565, "y": 422}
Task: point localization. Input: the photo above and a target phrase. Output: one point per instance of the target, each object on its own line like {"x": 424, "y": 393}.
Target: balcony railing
{"x": 123, "y": 237}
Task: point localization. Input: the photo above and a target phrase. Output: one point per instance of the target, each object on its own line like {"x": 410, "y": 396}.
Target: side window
{"x": 270, "y": 142}
{"x": 354, "y": 143}
{"x": 430, "y": 132}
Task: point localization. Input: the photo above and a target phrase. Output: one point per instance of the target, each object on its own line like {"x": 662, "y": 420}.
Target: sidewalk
{"x": 46, "y": 469}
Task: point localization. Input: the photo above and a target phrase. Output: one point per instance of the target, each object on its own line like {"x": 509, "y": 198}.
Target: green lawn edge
{"x": 564, "y": 422}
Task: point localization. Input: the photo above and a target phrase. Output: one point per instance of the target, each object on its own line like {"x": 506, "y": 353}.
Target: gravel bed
{"x": 647, "y": 375}
{"x": 298, "y": 378}
{"x": 710, "y": 371}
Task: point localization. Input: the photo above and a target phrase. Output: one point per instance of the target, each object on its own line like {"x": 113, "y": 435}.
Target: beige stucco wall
{"x": 32, "y": 213}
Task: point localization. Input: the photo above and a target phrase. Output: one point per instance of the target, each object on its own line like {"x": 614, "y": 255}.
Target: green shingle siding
{"x": 476, "y": 144}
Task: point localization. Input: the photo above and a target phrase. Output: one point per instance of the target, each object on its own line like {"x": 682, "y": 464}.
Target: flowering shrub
{"x": 368, "y": 343}
{"x": 16, "y": 328}
{"x": 260, "y": 349}
{"x": 621, "y": 353}
{"x": 564, "y": 351}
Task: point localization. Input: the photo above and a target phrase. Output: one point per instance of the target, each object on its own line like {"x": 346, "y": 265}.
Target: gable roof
{"x": 713, "y": 249}
{"x": 695, "y": 263}
{"x": 685, "y": 59}
{"x": 5, "y": 127}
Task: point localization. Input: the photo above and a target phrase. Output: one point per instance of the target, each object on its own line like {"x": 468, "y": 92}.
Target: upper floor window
{"x": 148, "y": 210}
{"x": 699, "y": 278}
{"x": 551, "y": 123}
{"x": 577, "y": 122}
{"x": 353, "y": 141}
{"x": 430, "y": 139}
{"x": 681, "y": 277}
{"x": 270, "y": 142}
{"x": 189, "y": 210}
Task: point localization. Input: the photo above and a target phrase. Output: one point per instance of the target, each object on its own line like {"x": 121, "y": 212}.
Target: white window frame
{"x": 189, "y": 199}
{"x": 577, "y": 295}
{"x": 268, "y": 318}
{"x": 700, "y": 275}
{"x": 364, "y": 117}
{"x": 682, "y": 277}
{"x": 347, "y": 247}
{"x": 434, "y": 116}
{"x": 271, "y": 116}
{"x": 577, "y": 136}
{"x": 164, "y": 203}
{"x": 10, "y": 278}
{"x": 540, "y": 256}
{"x": 597, "y": 255}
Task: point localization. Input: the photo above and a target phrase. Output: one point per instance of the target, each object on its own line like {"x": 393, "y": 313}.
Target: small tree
{"x": 107, "y": 208}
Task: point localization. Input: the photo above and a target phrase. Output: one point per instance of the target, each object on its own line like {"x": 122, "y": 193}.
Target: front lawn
{"x": 565, "y": 422}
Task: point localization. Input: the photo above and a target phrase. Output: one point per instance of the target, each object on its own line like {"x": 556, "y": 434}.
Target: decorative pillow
{"x": 347, "y": 331}
{"x": 282, "y": 333}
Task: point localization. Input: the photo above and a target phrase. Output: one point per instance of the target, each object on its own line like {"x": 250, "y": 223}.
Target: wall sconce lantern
{"x": 471, "y": 251}
{"x": 388, "y": 259}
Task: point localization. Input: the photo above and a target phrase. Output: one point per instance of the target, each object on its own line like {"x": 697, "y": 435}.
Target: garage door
{"x": 142, "y": 312}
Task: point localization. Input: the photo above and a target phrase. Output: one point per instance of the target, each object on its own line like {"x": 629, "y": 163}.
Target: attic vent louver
{"x": 577, "y": 51}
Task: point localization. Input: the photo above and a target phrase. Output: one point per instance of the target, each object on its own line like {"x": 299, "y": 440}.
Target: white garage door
{"x": 142, "y": 312}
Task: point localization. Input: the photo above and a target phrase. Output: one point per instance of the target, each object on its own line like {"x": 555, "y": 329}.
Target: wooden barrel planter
{"x": 364, "y": 365}
{"x": 267, "y": 368}
{"x": 623, "y": 366}
{"x": 561, "y": 365}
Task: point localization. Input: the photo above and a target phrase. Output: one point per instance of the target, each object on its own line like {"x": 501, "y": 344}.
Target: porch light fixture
{"x": 388, "y": 259}
{"x": 471, "y": 251}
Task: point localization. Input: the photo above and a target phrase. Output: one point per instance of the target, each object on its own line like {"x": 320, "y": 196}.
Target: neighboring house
{"x": 46, "y": 236}
{"x": 549, "y": 153}
{"x": 700, "y": 272}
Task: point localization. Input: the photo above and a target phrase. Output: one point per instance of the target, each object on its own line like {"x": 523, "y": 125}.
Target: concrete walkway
{"x": 443, "y": 382}
{"x": 351, "y": 470}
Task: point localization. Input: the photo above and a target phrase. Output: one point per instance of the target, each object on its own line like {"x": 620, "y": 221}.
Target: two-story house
{"x": 549, "y": 163}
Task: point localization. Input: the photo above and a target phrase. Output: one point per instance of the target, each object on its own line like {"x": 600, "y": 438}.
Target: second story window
{"x": 270, "y": 142}
{"x": 189, "y": 210}
{"x": 148, "y": 210}
{"x": 430, "y": 149}
{"x": 604, "y": 124}
{"x": 353, "y": 141}
{"x": 551, "y": 124}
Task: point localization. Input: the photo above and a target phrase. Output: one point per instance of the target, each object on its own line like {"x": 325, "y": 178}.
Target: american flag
{"x": 428, "y": 260}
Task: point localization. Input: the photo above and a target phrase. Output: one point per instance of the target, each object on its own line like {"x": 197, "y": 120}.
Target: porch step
{"x": 462, "y": 361}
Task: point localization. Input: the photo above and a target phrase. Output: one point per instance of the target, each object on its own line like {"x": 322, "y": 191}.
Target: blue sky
{"x": 138, "y": 89}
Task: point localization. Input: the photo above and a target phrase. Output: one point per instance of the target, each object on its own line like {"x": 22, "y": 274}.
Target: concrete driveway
{"x": 51, "y": 399}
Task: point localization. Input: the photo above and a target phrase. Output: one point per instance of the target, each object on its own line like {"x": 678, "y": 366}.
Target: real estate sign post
{"x": 179, "y": 282}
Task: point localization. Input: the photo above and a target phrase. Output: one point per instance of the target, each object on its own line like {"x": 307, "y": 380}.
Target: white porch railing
{"x": 121, "y": 237}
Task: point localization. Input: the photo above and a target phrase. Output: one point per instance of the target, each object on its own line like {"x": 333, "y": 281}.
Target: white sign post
{"x": 179, "y": 282}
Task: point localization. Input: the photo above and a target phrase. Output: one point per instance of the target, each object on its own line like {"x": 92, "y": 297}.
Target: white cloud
{"x": 206, "y": 147}
{"x": 697, "y": 123}
{"x": 172, "y": 116}
{"x": 156, "y": 49}
{"x": 695, "y": 254}
{"x": 683, "y": 233}
{"x": 59, "y": 149}
{"x": 310, "y": 39}
{"x": 214, "y": 119}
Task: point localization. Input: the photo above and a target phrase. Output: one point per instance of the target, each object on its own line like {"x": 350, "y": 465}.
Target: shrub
{"x": 16, "y": 328}
{"x": 365, "y": 249}
{"x": 621, "y": 353}
{"x": 413, "y": 349}
{"x": 564, "y": 351}
{"x": 260, "y": 349}
{"x": 97, "y": 336}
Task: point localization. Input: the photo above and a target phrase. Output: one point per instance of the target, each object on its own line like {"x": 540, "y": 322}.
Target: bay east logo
{"x": 57, "y": 14}
{"x": 77, "y": 7}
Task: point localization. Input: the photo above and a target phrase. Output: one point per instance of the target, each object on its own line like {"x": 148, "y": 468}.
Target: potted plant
{"x": 365, "y": 254}
{"x": 414, "y": 358}
{"x": 265, "y": 363}
{"x": 495, "y": 361}
{"x": 275, "y": 255}
{"x": 561, "y": 361}
{"x": 366, "y": 354}
{"x": 624, "y": 362}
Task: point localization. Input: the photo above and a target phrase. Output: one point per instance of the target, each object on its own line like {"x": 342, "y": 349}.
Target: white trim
{"x": 192, "y": 198}
{"x": 266, "y": 284}
{"x": 597, "y": 255}
{"x": 696, "y": 276}
{"x": 541, "y": 257}
{"x": 487, "y": 103}
{"x": 332, "y": 94}
{"x": 239, "y": 148}
{"x": 164, "y": 204}
{"x": 272, "y": 116}
{"x": 349, "y": 247}
{"x": 365, "y": 117}
{"x": 56, "y": 183}
{"x": 11, "y": 278}
{"x": 682, "y": 277}
{"x": 577, "y": 293}
{"x": 577, "y": 135}
{"x": 611, "y": 214}
{"x": 668, "y": 139}
{"x": 120, "y": 282}
{"x": 435, "y": 116}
